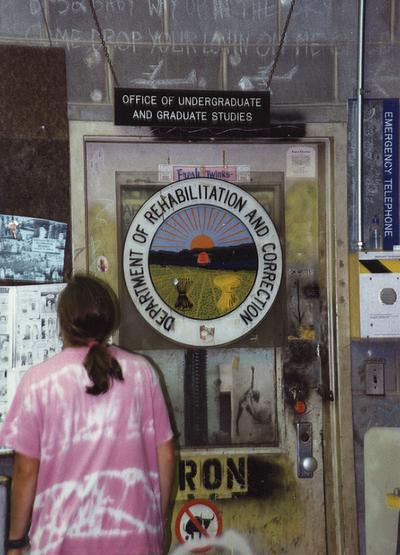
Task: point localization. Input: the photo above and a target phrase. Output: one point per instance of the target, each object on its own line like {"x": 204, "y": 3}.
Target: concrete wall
{"x": 214, "y": 44}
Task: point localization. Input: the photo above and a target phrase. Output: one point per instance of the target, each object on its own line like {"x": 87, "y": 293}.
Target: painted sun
{"x": 200, "y": 227}
{"x": 202, "y": 242}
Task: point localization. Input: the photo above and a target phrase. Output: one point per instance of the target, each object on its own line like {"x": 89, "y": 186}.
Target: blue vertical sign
{"x": 390, "y": 164}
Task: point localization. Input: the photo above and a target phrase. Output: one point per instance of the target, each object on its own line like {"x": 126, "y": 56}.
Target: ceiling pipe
{"x": 360, "y": 117}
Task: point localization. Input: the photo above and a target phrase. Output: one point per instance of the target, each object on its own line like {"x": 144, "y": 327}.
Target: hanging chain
{"x": 278, "y": 52}
{"x": 270, "y": 76}
{"x": 103, "y": 43}
{"x": 45, "y": 22}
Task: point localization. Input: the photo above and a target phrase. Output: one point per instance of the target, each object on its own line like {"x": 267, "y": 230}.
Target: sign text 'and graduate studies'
{"x": 173, "y": 108}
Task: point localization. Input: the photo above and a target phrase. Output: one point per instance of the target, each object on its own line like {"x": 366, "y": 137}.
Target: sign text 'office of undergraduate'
{"x": 175, "y": 108}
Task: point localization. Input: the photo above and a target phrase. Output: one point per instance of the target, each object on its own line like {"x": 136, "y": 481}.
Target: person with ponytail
{"x": 94, "y": 454}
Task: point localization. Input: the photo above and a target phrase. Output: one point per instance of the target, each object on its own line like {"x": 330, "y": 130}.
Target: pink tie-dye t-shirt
{"x": 98, "y": 489}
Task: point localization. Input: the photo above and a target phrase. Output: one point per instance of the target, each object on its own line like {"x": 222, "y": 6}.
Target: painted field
{"x": 201, "y": 293}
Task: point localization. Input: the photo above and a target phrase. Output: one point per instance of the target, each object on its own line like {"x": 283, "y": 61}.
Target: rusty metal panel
{"x": 250, "y": 476}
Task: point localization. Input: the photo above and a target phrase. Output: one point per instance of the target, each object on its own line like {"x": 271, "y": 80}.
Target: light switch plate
{"x": 375, "y": 376}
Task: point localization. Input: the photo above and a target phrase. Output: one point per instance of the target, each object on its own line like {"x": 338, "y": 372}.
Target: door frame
{"x": 340, "y": 499}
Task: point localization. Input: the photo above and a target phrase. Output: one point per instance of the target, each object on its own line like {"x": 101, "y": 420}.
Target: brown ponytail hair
{"x": 88, "y": 313}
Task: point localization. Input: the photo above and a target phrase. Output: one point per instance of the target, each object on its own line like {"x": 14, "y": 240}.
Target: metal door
{"x": 248, "y": 415}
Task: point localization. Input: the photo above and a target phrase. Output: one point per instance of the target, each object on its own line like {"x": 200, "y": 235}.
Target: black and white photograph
{"x": 31, "y": 249}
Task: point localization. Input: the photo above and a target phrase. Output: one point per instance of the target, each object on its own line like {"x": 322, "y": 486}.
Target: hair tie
{"x": 93, "y": 343}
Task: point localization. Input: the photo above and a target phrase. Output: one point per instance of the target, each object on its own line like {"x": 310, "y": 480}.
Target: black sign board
{"x": 175, "y": 108}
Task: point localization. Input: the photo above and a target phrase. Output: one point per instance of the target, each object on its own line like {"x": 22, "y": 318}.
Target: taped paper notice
{"x": 300, "y": 162}
{"x": 165, "y": 172}
{"x": 168, "y": 173}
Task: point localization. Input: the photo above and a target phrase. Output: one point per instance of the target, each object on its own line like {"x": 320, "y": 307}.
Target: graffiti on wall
{"x": 221, "y": 476}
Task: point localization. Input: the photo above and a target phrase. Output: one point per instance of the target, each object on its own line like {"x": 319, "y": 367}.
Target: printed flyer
{"x": 31, "y": 249}
{"x": 28, "y": 333}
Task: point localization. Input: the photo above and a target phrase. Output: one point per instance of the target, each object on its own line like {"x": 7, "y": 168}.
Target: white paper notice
{"x": 300, "y": 162}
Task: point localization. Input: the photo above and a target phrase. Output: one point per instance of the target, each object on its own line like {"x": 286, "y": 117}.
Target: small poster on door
{"x": 301, "y": 162}
{"x": 247, "y": 394}
{"x": 231, "y": 173}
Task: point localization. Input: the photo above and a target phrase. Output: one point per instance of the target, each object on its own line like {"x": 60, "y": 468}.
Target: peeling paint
{"x": 102, "y": 242}
{"x": 301, "y": 222}
{"x": 274, "y": 517}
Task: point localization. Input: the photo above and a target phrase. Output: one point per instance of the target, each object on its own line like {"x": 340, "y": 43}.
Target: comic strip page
{"x": 28, "y": 333}
{"x": 5, "y": 347}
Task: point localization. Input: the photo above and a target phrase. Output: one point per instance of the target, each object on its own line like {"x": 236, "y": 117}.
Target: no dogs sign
{"x": 198, "y": 519}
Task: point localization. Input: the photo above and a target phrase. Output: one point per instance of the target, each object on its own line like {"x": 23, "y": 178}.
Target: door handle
{"x": 306, "y": 463}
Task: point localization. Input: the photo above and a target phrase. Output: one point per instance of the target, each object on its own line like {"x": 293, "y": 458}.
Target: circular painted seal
{"x": 202, "y": 262}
